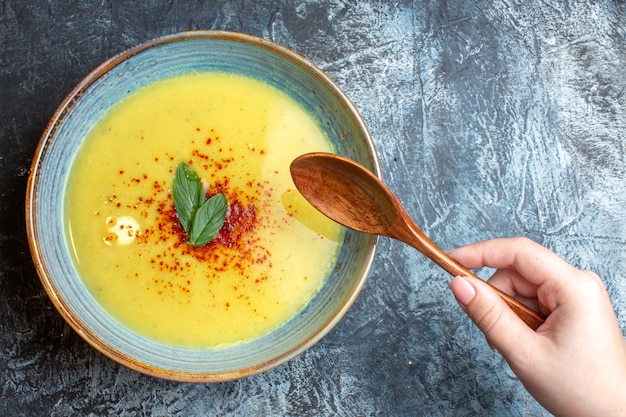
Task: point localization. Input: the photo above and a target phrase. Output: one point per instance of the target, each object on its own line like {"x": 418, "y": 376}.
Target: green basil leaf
{"x": 188, "y": 194}
{"x": 208, "y": 220}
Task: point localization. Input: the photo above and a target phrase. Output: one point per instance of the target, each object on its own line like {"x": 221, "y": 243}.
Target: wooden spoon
{"x": 349, "y": 194}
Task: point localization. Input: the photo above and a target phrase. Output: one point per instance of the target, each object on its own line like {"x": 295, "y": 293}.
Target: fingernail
{"x": 462, "y": 290}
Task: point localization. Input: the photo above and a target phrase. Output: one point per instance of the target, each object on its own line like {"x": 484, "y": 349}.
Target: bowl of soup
{"x": 119, "y": 183}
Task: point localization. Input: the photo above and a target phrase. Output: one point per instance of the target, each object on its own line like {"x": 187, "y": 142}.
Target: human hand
{"x": 574, "y": 364}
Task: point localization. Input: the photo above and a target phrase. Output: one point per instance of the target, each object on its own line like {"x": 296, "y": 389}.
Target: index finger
{"x": 534, "y": 262}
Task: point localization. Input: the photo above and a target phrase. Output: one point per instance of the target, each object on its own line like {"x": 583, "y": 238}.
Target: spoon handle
{"x": 421, "y": 242}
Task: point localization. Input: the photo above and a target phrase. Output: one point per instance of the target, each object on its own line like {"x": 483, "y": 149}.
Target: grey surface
{"x": 491, "y": 119}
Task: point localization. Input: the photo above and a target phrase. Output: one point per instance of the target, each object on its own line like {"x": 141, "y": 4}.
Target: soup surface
{"x": 272, "y": 254}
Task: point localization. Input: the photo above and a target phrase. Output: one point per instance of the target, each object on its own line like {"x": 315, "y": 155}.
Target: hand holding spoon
{"x": 349, "y": 194}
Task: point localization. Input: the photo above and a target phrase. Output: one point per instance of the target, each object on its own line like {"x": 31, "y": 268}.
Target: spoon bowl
{"x": 349, "y": 194}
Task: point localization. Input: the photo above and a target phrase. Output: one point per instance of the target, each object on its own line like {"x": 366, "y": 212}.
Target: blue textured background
{"x": 491, "y": 119}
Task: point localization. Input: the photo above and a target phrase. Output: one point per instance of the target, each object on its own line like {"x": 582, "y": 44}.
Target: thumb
{"x": 503, "y": 329}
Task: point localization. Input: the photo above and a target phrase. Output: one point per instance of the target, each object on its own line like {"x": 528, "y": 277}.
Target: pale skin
{"x": 575, "y": 363}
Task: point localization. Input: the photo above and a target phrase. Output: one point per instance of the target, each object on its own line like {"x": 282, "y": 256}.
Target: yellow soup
{"x": 272, "y": 254}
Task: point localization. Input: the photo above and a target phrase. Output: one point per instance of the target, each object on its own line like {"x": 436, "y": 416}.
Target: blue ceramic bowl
{"x": 87, "y": 104}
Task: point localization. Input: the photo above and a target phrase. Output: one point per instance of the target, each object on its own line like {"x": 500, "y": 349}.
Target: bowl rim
{"x": 45, "y": 274}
